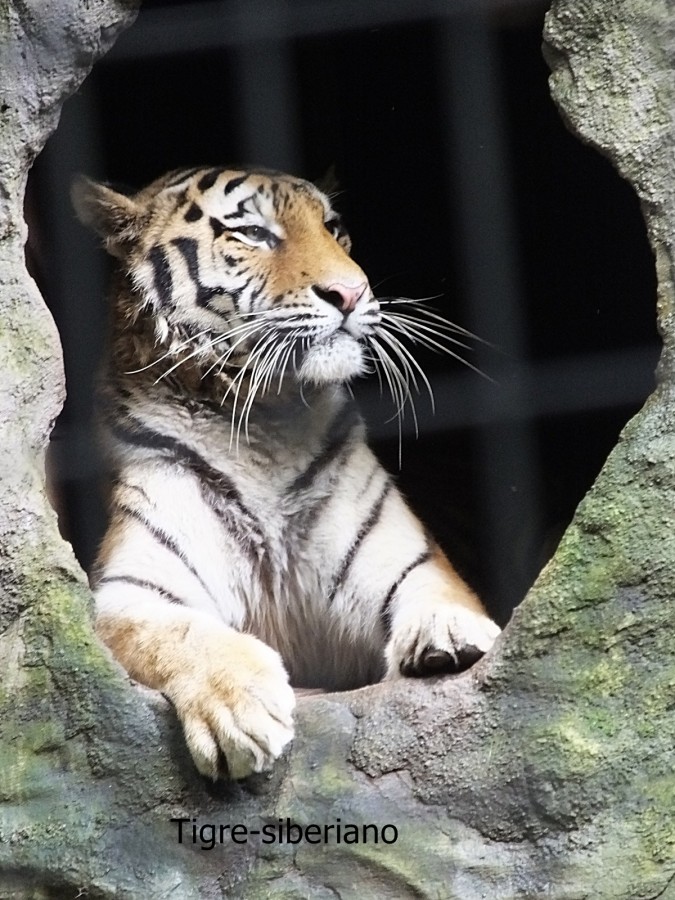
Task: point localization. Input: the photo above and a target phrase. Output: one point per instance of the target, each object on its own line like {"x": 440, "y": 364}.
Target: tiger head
{"x": 238, "y": 268}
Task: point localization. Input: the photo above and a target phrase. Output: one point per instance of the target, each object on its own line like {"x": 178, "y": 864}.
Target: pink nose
{"x": 344, "y": 296}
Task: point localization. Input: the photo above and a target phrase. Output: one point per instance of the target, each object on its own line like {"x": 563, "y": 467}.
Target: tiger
{"x": 255, "y": 544}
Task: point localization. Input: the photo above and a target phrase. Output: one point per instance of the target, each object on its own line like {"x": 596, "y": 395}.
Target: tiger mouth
{"x": 340, "y": 333}
{"x": 290, "y": 351}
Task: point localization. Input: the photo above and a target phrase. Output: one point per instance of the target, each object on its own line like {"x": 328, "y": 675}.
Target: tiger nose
{"x": 343, "y": 296}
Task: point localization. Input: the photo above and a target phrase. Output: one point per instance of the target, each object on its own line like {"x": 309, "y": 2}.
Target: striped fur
{"x": 253, "y": 536}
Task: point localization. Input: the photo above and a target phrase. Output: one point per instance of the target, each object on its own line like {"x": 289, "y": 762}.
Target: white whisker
{"x": 284, "y": 362}
{"x": 272, "y": 367}
{"x": 418, "y": 306}
{"x": 185, "y": 359}
{"x": 224, "y": 358}
{"x": 430, "y": 334}
{"x": 404, "y": 354}
{"x": 399, "y": 387}
{"x": 265, "y": 367}
{"x": 422, "y": 328}
{"x": 398, "y": 349}
{"x": 259, "y": 348}
{"x": 168, "y": 353}
{"x": 254, "y": 384}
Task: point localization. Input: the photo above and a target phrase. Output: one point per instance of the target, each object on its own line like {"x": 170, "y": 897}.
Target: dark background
{"x": 459, "y": 181}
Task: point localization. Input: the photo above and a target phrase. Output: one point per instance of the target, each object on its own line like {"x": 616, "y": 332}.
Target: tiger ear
{"x": 115, "y": 217}
{"x": 329, "y": 184}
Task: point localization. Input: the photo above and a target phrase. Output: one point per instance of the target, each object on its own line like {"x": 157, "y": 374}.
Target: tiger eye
{"x": 335, "y": 227}
{"x": 259, "y": 234}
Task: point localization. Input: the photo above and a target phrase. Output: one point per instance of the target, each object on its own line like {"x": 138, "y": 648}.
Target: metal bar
{"x": 594, "y": 381}
{"x": 509, "y": 463}
{"x": 266, "y": 90}
{"x": 78, "y": 282}
{"x": 578, "y": 384}
{"x": 162, "y": 32}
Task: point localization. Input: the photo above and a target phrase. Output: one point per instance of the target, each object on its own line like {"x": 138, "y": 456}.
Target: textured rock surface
{"x": 548, "y": 771}
{"x": 74, "y": 742}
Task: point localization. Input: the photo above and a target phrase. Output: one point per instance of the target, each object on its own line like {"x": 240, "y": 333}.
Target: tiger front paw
{"x": 235, "y": 703}
{"x": 435, "y": 638}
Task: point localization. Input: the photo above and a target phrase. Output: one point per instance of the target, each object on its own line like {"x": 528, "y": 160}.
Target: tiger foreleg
{"x": 437, "y": 624}
{"x": 230, "y": 690}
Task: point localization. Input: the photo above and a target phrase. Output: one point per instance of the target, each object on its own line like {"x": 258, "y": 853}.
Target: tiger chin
{"x": 254, "y": 541}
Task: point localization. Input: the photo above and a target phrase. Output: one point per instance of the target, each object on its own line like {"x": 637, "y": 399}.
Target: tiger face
{"x": 244, "y": 267}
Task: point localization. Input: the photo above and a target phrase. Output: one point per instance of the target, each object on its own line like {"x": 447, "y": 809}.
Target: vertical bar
{"x": 266, "y": 88}
{"x": 480, "y": 174}
{"x": 78, "y": 284}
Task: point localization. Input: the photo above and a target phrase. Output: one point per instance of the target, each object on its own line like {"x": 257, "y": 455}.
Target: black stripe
{"x": 162, "y": 280}
{"x": 194, "y": 213}
{"x": 234, "y": 183}
{"x": 208, "y": 180}
{"x": 188, "y": 250}
{"x": 220, "y": 490}
{"x": 141, "y": 583}
{"x": 385, "y": 612}
{"x": 305, "y": 317}
{"x": 336, "y": 436}
{"x": 311, "y": 514}
{"x": 163, "y": 538}
{"x": 253, "y": 296}
{"x": 217, "y": 227}
{"x": 180, "y": 199}
{"x": 241, "y": 208}
{"x": 235, "y": 296}
{"x": 182, "y": 175}
{"x": 142, "y": 436}
{"x": 341, "y": 576}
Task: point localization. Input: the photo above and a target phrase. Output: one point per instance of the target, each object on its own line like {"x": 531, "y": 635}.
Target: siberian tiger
{"x": 253, "y": 536}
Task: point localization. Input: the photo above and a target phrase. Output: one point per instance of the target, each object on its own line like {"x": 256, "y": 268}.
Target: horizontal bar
{"x": 575, "y": 384}
{"x": 160, "y": 32}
